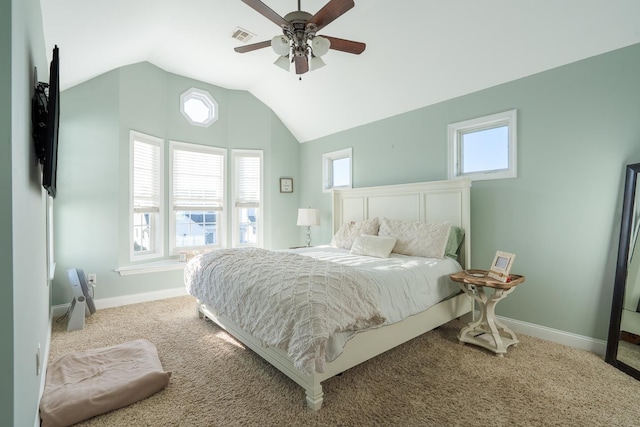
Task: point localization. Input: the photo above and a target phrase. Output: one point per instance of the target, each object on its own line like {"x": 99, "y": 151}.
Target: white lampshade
{"x": 308, "y": 217}
{"x": 283, "y": 62}
{"x": 315, "y": 63}
{"x": 320, "y": 45}
{"x": 280, "y": 45}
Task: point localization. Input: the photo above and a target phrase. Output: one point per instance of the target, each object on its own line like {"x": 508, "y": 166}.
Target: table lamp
{"x": 307, "y": 218}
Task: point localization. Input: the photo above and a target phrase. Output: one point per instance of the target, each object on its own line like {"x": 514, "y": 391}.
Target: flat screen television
{"x": 45, "y": 118}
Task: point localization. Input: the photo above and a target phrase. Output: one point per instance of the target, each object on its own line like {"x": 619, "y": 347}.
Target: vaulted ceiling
{"x": 419, "y": 52}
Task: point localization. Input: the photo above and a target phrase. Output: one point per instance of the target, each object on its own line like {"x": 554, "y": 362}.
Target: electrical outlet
{"x": 91, "y": 277}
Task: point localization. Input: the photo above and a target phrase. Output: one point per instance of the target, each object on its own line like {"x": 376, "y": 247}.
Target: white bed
{"x": 439, "y": 201}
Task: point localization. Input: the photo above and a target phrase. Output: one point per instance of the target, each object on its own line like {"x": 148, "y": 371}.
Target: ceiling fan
{"x": 299, "y": 43}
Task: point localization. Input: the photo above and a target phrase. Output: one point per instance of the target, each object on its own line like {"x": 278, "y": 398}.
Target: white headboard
{"x": 435, "y": 201}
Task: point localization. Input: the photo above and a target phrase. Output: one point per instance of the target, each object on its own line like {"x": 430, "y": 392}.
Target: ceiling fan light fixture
{"x": 283, "y": 62}
{"x": 280, "y": 45}
{"x": 315, "y": 63}
{"x": 320, "y": 45}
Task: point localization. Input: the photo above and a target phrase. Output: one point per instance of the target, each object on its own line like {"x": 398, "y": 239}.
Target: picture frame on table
{"x": 501, "y": 266}
{"x": 286, "y": 185}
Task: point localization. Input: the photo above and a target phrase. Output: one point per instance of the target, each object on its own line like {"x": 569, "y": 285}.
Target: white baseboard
{"x": 554, "y": 335}
{"x": 59, "y": 310}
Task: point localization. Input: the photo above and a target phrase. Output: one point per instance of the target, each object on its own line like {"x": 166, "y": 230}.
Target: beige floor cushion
{"x": 84, "y": 384}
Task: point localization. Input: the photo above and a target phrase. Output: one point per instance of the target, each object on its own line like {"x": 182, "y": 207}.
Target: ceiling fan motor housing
{"x": 297, "y": 31}
{"x": 298, "y": 16}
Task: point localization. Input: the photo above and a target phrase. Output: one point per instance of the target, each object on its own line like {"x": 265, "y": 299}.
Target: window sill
{"x": 151, "y": 267}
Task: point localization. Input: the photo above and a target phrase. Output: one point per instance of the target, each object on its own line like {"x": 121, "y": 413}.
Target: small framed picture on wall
{"x": 286, "y": 185}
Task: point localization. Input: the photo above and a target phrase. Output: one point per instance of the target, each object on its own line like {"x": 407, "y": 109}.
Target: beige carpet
{"x": 431, "y": 380}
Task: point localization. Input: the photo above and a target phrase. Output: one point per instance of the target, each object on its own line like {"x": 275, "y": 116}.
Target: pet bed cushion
{"x": 84, "y": 384}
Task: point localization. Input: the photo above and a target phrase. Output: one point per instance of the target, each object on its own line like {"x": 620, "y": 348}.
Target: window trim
{"x": 221, "y": 229}
{"x": 158, "y": 226}
{"x": 235, "y": 221}
{"x": 204, "y": 97}
{"x": 327, "y": 169}
{"x": 455, "y": 130}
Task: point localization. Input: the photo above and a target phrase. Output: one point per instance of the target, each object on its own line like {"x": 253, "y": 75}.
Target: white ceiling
{"x": 419, "y": 52}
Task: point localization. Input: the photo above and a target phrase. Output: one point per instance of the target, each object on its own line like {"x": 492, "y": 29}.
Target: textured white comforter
{"x": 287, "y": 300}
{"x": 405, "y": 285}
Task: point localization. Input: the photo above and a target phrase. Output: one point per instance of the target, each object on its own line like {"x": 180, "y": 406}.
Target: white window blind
{"x": 198, "y": 178}
{"x": 247, "y": 181}
{"x": 146, "y": 180}
{"x": 146, "y": 176}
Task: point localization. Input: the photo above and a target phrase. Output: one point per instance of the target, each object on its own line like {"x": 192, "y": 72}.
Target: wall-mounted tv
{"x": 45, "y": 117}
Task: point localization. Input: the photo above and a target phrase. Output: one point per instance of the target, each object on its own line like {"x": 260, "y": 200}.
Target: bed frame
{"x": 436, "y": 201}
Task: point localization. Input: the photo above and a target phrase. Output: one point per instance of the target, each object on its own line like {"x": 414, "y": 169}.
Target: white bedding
{"x": 405, "y": 285}
{"x": 287, "y": 301}
{"x": 400, "y": 286}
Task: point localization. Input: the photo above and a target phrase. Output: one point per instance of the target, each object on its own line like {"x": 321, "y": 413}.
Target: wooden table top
{"x": 481, "y": 278}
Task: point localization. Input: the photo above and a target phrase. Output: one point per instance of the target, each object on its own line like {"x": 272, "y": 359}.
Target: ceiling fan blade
{"x": 302, "y": 65}
{"x": 330, "y": 12}
{"x": 346, "y": 45}
{"x": 267, "y": 12}
{"x": 254, "y": 46}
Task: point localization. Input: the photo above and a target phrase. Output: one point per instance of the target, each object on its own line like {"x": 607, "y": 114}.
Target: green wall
{"x": 6, "y": 246}
{"x": 578, "y": 126}
{"x": 24, "y": 289}
{"x": 92, "y": 204}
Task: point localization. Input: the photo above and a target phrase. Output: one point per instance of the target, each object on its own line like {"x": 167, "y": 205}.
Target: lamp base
{"x": 308, "y": 236}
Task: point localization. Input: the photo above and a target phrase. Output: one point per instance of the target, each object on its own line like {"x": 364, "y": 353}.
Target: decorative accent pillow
{"x": 348, "y": 232}
{"x": 415, "y": 238}
{"x": 376, "y": 246}
{"x": 456, "y": 236}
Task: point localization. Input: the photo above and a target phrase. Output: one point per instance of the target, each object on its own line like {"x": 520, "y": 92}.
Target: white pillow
{"x": 415, "y": 238}
{"x": 348, "y": 232}
{"x": 376, "y": 246}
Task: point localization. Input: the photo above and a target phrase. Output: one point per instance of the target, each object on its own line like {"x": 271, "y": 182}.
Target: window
{"x": 198, "y": 107}
{"x": 146, "y": 181}
{"x": 197, "y": 186}
{"x": 484, "y": 148}
{"x": 336, "y": 169}
{"x": 196, "y": 216}
{"x": 247, "y": 197}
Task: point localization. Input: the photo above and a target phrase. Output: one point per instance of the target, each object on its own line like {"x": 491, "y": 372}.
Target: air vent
{"x": 242, "y": 35}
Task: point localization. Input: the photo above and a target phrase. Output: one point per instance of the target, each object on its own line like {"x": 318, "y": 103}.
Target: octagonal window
{"x": 199, "y": 107}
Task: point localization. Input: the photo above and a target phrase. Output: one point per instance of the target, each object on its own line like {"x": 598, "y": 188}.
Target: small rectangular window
{"x": 341, "y": 171}
{"x": 336, "y": 169}
{"x": 483, "y": 148}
